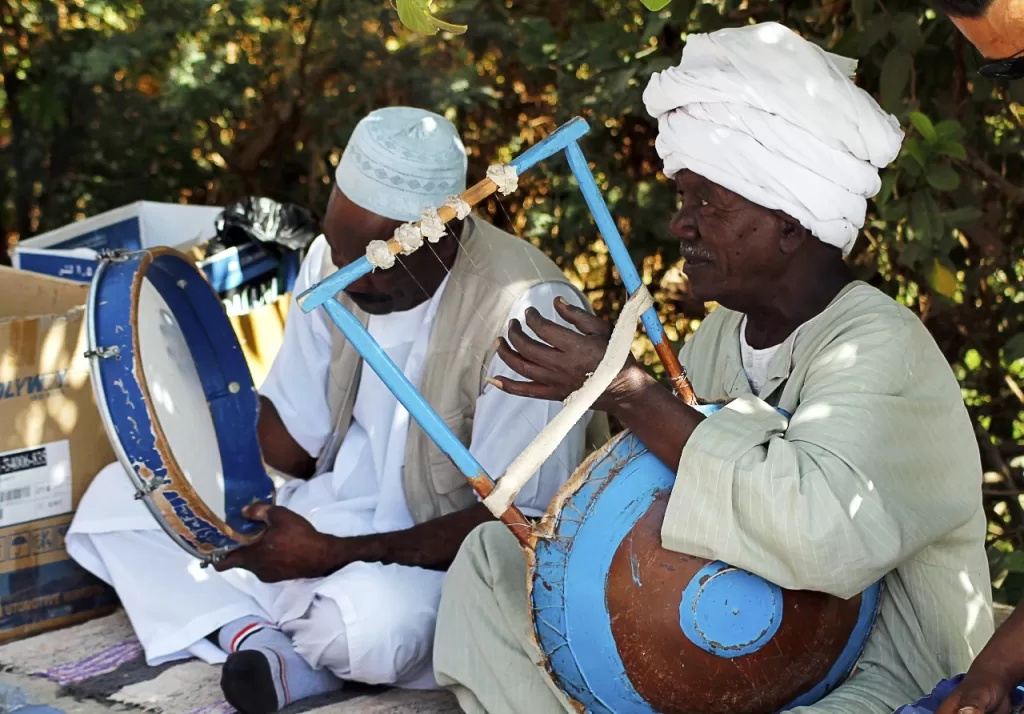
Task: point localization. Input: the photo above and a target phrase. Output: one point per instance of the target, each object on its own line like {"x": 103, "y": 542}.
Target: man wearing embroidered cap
{"x": 345, "y": 583}
{"x": 876, "y": 475}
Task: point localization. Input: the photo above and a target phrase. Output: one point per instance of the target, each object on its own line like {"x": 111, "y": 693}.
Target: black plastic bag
{"x": 280, "y": 227}
{"x": 282, "y": 230}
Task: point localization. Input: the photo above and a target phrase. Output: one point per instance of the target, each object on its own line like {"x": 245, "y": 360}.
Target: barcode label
{"x": 14, "y": 494}
{"x": 35, "y": 483}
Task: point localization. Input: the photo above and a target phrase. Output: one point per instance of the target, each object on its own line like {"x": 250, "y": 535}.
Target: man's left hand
{"x": 290, "y": 548}
{"x": 560, "y": 364}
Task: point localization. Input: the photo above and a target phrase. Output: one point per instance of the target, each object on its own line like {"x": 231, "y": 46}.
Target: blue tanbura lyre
{"x": 576, "y": 593}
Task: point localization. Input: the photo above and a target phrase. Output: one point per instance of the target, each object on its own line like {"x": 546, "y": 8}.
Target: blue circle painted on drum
{"x": 226, "y": 381}
{"x": 574, "y": 627}
{"x": 729, "y": 612}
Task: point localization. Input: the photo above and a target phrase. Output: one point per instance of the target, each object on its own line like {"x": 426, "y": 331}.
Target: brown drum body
{"x": 628, "y": 626}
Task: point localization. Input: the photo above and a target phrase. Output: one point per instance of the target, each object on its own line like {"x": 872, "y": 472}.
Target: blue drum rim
{"x": 568, "y": 675}
{"x": 95, "y": 375}
{"x": 173, "y": 483}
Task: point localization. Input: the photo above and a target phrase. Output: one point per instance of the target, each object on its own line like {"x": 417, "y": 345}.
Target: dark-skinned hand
{"x": 290, "y": 548}
{"x": 980, "y": 692}
{"x": 560, "y": 364}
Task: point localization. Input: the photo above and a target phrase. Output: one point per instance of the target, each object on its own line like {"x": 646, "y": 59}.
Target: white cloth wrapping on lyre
{"x": 409, "y": 237}
{"x": 505, "y": 177}
{"x": 575, "y": 406}
{"x": 462, "y": 208}
{"x": 379, "y": 255}
{"x": 431, "y": 225}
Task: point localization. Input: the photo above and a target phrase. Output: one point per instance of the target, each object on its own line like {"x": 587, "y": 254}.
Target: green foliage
{"x": 109, "y": 101}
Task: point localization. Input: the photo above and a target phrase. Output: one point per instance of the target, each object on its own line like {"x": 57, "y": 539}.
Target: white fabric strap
{"x": 575, "y": 406}
{"x": 505, "y": 176}
{"x": 379, "y": 255}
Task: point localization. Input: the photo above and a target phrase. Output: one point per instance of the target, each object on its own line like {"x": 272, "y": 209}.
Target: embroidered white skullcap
{"x": 401, "y": 160}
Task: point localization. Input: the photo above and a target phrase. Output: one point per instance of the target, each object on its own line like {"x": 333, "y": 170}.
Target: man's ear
{"x": 793, "y": 236}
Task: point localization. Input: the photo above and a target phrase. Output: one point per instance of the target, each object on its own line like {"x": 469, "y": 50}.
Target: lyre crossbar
{"x": 564, "y": 139}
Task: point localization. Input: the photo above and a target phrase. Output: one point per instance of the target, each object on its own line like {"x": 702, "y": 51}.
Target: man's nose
{"x": 684, "y": 225}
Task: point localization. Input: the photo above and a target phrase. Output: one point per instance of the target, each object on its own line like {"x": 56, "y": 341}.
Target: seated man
{"x": 349, "y": 573}
{"x": 876, "y": 475}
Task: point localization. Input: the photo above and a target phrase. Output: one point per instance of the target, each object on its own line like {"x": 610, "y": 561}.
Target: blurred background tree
{"x": 110, "y": 101}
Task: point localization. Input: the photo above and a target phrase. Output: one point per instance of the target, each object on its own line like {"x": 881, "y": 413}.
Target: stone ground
{"x": 32, "y": 695}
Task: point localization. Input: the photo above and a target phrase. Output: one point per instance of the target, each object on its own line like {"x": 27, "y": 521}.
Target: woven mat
{"x": 103, "y": 660}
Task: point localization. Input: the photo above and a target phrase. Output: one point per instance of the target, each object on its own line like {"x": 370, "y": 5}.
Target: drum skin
{"x": 127, "y": 407}
{"x": 625, "y": 625}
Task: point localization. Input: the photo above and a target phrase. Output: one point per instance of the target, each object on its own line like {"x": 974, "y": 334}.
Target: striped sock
{"x": 263, "y": 672}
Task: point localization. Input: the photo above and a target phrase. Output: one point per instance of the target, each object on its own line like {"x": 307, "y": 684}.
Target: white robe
{"x": 367, "y": 622}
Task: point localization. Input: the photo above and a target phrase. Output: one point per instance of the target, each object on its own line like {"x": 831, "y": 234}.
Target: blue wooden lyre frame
{"x": 323, "y": 294}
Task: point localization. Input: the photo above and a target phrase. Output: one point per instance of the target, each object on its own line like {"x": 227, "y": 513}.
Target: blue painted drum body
{"x": 139, "y": 417}
{"x": 627, "y": 626}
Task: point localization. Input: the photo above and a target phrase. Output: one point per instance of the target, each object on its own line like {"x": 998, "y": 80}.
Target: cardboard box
{"x": 70, "y": 251}
{"x": 52, "y": 444}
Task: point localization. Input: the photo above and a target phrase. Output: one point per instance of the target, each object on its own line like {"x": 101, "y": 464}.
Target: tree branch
{"x": 995, "y": 179}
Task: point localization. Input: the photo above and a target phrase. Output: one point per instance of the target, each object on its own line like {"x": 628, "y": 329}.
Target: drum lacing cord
{"x": 575, "y": 407}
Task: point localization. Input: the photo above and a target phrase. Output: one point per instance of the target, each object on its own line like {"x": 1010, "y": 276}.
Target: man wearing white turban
{"x": 876, "y": 476}
{"x": 348, "y": 574}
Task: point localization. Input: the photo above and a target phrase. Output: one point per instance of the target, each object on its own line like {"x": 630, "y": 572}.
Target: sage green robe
{"x": 876, "y": 475}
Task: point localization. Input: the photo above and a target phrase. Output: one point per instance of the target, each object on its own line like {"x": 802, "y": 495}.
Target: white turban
{"x": 768, "y": 115}
{"x": 401, "y": 160}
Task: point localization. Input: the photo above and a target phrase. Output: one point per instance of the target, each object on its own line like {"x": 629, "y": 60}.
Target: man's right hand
{"x": 996, "y": 672}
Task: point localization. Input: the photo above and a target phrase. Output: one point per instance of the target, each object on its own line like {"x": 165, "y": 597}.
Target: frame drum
{"x": 177, "y": 399}
{"x": 625, "y": 625}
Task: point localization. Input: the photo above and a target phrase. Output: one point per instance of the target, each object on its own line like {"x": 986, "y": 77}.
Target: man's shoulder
{"x": 315, "y": 265}
{"x": 503, "y": 258}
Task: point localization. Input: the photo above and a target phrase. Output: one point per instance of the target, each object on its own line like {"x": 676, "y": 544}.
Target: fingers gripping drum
{"x": 575, "y": 406}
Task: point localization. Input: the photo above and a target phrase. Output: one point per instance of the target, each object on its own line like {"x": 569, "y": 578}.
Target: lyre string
{"x": 453, "y": 279}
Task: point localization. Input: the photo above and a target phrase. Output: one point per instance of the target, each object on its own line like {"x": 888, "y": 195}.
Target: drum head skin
{"x": 625, "y": 625}
{"x": 177, "y": 399}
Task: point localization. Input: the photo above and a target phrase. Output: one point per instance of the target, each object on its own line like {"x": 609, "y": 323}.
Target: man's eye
{"x": 703, "y": 203}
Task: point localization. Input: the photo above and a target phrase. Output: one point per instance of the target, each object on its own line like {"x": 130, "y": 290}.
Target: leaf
{"x": 415, "y": 14}
{"x": 949, "y": 130}
{"x": 862, "y": 9}
{"x": 963, "y": 216}
{"x": 924, "y": 217}
{"x": 896, "y": 70}
{"x": 914, "y": 254}
{"x": 888, "y": 186}
{"x": 1013, "y": 562}
{"x": 943, "y": 178}
{"x": 912, "y": 148}
{"x": 907, "y": 30}
{"x": 942, "y": 279}
{"x": 924, "y": 125}
{"x": 655, "y": 5}
{"x": 952, "y": 148}
{"x": 896, "y": 211}
{"x": 709, "y": 18}
{"x": 1013, "y": 350}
